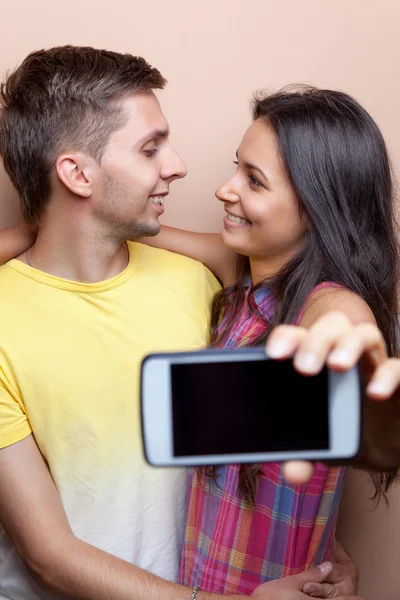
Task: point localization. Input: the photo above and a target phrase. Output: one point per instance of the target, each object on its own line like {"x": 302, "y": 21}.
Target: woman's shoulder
{"x": 331, "y": 297}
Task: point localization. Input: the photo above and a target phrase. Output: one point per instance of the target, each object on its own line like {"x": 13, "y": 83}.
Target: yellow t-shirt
{"x": 70, "y": 357}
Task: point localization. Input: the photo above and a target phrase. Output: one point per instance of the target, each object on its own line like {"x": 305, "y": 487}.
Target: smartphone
{"x": 238, "y": 406}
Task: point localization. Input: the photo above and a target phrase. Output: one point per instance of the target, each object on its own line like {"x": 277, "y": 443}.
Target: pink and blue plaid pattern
{"x": 232, "y": 547}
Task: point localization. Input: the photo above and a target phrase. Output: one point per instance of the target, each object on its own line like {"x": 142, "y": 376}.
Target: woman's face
{"x": 262, "y": 218}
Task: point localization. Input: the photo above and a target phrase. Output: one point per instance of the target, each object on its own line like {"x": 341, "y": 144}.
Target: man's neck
{"x": 77, "y": 253}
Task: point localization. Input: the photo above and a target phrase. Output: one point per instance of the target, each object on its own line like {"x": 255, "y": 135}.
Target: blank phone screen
{"x": 249, "y": 406}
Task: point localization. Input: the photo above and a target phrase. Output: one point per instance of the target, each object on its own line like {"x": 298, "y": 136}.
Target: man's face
{"x": 136, "y": 169}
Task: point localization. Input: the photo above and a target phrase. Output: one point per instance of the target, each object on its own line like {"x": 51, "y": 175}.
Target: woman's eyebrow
{"x": 249, "y": 165}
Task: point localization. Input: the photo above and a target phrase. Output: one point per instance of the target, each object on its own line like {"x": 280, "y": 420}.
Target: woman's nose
{"x": 227, "y": 193}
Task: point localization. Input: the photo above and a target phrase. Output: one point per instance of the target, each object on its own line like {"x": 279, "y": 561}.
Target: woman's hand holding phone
{"x": 333, "y": 340}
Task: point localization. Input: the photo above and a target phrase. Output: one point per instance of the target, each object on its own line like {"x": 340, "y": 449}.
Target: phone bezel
{"x": 156, "y": 412}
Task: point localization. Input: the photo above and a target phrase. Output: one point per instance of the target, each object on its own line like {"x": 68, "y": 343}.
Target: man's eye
{"x": 150, "y": 153}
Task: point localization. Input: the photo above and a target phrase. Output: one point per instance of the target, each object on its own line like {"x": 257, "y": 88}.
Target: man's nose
{"x": 174, "y": 167}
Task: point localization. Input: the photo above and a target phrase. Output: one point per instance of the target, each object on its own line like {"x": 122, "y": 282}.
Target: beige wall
{"x": 214, "y": 54}
{"x": 372, "y": 535}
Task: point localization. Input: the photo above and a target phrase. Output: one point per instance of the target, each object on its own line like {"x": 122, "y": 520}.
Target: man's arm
{"x": 33, "y": 516}
{"x": 14, "y": 241}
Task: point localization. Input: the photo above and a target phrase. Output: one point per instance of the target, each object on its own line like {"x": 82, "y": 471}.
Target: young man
{"x": 83, "y": 138}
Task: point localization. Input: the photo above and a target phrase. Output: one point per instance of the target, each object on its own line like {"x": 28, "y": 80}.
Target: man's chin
{"x": 153, "y": 230}
{"x": 143, "y": 230}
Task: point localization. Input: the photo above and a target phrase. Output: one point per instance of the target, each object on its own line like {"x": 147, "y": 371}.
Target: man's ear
{"x": 76, "y": 171}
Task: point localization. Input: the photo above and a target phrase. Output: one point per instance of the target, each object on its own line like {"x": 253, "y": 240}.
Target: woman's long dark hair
{"x": 336, "y": 159}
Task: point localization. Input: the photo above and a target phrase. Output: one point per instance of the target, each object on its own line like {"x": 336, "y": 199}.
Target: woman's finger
{"x": 311, "y": 346}
{"x": 284, "y": 340}
{"x": 385, "y": 380}
{"x": 359, "y": 340}
{"x": 320, "y": 590}
{"x": 321, "y": 339}
{"x": 332, "y": 340}
{"x": 297, "y": 472}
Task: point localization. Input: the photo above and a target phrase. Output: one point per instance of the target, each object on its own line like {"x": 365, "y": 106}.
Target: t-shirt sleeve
{"x": 207, "y": 288}
{"x": 212, "y": 285}
{"x": 14, "y": 424}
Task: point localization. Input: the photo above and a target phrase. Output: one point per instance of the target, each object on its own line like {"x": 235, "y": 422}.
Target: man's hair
{"x": 63, "y": 98}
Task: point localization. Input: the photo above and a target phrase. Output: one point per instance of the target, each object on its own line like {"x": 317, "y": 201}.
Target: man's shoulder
{"x": 9, "y": 279}
{"x": 167, "y": 263}
{"x": 159, "y": 255}
{"x": 13, "y": 298}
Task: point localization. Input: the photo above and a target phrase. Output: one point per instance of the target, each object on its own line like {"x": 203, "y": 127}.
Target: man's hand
{"x": 341, "y": 581}
{"x": 290, "y": 588}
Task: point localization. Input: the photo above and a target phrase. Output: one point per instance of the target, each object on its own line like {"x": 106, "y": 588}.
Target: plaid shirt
{"x": 232, "y": 547}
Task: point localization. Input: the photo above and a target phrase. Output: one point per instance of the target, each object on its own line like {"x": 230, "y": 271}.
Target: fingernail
{"x": 277, "y": 348}
{"x": 325, "y": 567}
{"x": 340, "y": 357}
{"x": 379, "y": 387}
{"x": 307, "y": 362}
{"x": 311, "y": 590}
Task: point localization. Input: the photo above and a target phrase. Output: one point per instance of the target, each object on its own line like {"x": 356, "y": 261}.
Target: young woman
{"x": 308, "y": 250}
{"x": 309, "y": 213}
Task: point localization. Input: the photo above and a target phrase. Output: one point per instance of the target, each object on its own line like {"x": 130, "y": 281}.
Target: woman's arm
{"x": 330, "y": 299}
{"x": 204, "y": 247}
{"x": 14, "y": 241}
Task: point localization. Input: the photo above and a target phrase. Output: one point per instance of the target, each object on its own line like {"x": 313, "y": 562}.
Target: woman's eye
{"x": 254, "y": 181}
